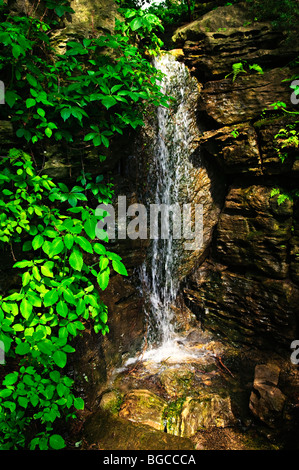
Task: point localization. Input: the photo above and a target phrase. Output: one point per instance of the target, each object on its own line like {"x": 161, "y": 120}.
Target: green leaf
{"x": 50, "y": 298}
{"x": 76, "y": 260}
{"x": 11, "y": 97}
{"x": 69, "y": 297}
{"x": 99, "y": 249}
{"x": 31, "y": 80}
{"x": 11, "y": 378}
{"x": 37, "y": 242}
{"x": 46, "y": 269}
{"x": 90, "y": 227}
{"x": 84, "y": 244}
{"x": 80, "y": 308}
{"x": 65, "y": 113}
{"x": 17, "y": 51}
{"x": 69, "y": 240}
{"x": 103, "y": 263}
{"x": 48, "y": 132}
{"x": 56, "y": 442}
{"x": 79, "y": 403}
{"x": 57, "y": 246}
{"x": 45, "y": 347}
{"x": 30, "y": 102}
{"x": 22, "y": 348}
{"x": 119, "y": 267}
{"x": 71, "y": 328}
{"x": 41, "y": 112}
{"x": 137, "y": 23}
{"x": 55, "y": 376}
{"x": 108, "y": 101}
{"x": 62, "y": 308}
{"x": 103, "y": 278}
{"x": 23, "y": 401}
{"x": 25, "y": 309}
{"x": 26, "y": 278}
{"x": 60, "y": 358}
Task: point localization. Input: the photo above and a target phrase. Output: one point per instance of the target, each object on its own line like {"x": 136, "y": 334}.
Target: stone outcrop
{"x": 266, "y": 399}
{"x": 227, "y": 35}
{"x": 228, "y": 103}
{"x": 205, "y": 412}
{"x": 143, "y": 406}
{"x": 247, "y": 288}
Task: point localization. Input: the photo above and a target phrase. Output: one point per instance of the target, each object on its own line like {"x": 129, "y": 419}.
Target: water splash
{"x": 171, "y": 181}
{"x": 170, "y": 176}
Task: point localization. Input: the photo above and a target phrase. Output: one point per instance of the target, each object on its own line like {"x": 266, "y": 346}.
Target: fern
{"x": 237, "y": 69}
{"x": 256, "y": 68}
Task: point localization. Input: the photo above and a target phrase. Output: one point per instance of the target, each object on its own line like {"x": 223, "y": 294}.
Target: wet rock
{"x": 111, "y": 401}
{"x": 205, "y": 412}
{"x": 266, "y": 399}
{"x": 145, "y": 407}
{"x": 103, "y": 431}
{"x": 177, "y": 381}
{"x": 92, "y": 15}
{"x": 294, "y": 247}
{"x": 6, "y": 136}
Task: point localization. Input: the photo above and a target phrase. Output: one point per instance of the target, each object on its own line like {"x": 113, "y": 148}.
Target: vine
{"x": 86, "y": 96}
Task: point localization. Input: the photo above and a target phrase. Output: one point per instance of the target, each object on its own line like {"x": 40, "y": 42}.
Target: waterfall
{"x": 170, "y": 180}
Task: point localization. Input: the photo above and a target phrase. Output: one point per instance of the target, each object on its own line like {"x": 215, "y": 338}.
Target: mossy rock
{"x": 104, "y": 431}
{"x": 143, "y": 406}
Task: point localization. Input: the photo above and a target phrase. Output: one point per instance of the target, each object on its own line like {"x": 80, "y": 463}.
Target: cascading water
{"x": 170, "y": 176}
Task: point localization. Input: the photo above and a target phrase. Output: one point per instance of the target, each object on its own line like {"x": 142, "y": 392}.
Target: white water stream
{"x": 170, "y": 176}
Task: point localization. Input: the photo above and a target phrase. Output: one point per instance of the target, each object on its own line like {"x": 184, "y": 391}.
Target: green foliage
{"x": 235, "y": 133}
{"x": 286, "y": 138}
{"x": 284, "y": 14}
{"x": 86, "y": 93}
{"x": 239, "y": 67}
{"x": 141, "y": 26}
{"x": 95, "y": 90}
{"x": 173, "y": 12}
{"x": 283, "y": 196}
{"x": 57, "y": 296}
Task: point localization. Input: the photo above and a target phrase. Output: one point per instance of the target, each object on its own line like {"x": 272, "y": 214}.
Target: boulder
{"x": 205, "y": 412}
{"x": 266, "y": 399}
{"x": 103, "y": 431}
{"x": 144, "y": 407}
{"x": 230, "y": 34}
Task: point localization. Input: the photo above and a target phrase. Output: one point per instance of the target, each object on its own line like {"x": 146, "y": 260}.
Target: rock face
{"x": 266, "y": 400}
{"x": 230, "y": 103}
{"x": 247, "y": 288}
{"x": 227, "y": 35}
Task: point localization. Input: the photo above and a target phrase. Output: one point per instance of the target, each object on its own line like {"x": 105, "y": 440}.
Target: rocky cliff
{"x": 247, "y": 288}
